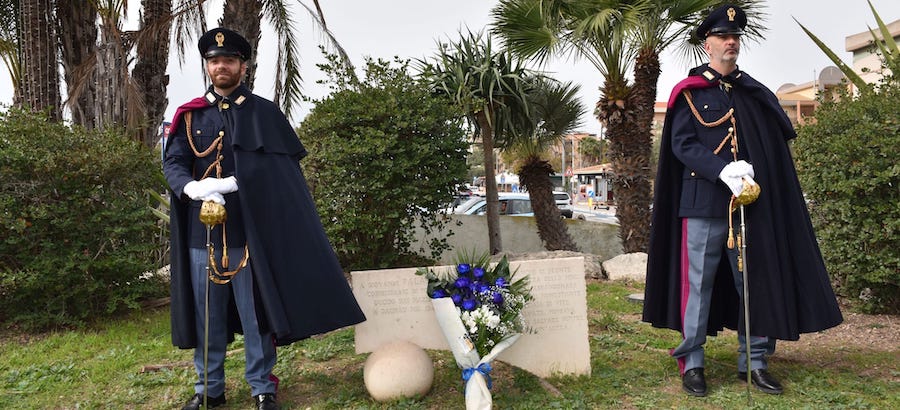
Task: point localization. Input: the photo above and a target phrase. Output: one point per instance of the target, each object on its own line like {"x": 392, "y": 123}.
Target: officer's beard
{"x": 226, "y": 81}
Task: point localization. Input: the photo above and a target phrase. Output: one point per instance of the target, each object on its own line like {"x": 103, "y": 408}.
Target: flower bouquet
{"x": 479, "y": 311}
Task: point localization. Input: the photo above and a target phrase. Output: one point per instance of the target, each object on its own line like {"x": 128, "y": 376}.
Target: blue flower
{"x": 482, "y": 287}
{"x": 469, "y": 304}
{"x": 462, "y": 282}
{"x": 478, "y": 272}
{"x": 456, "y": 298}
{"x": 501, "y": 282}
{"x": 438, "y": 293}
{"x": 463, "y": 268}
{"x": 497, "y": 298}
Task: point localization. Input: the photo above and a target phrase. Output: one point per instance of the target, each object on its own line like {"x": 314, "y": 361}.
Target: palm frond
{"x": 841, "y": 65}
{"x": 189, "y": 19}
{"x": 888, "y": 47}
{"x": 287, "y": 72}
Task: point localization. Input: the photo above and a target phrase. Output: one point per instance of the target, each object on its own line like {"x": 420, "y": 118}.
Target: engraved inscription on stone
{"x": 397, "y": 308}
{"x": 557, "y": 317}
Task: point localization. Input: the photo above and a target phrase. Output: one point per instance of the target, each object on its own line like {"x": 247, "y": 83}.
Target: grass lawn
{"x": 130, "y": 363}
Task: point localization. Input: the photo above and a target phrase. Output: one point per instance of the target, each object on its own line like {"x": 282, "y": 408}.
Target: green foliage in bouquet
{"x": 489, "y": 299}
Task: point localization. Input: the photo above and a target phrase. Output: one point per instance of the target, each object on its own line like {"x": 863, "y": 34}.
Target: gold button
{"x": 730, "y": 129}
{"x": 693, "y": 174}
{"x": 705, "y": 106}
{"x": 198, "y": 132}
{"x": 733, "y": 150}
{"x": 224, "y": 106}
{"x": 221, "y": 133}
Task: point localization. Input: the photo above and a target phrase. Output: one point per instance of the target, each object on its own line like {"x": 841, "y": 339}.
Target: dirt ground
{"x": 872, "y": 332}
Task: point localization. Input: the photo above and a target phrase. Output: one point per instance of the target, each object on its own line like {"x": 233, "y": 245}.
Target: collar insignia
{"x": 709, "y": 75}
{"x": 240, "y": 100}
{"x": 211, "y": 98}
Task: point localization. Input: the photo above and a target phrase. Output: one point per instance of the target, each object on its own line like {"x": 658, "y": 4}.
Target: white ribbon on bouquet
{"x": 475, "y": 369}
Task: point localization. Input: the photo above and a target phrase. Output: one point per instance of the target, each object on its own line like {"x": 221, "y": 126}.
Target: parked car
{"x": 465, "y": 205}
{"x": 513, "y": 204}
{"x": 564, "y": 203}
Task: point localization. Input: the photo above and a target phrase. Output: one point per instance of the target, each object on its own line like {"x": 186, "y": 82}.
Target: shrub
{"x": 384, "y": 156}
{"x": 849, "y": 166}
{"x": 77, "y": 232}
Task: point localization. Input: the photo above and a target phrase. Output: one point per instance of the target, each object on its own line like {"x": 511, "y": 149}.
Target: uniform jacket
{"x": 789, "y": 289}
{"x": 300, "y": 287}
{"x": 694, "y": 144}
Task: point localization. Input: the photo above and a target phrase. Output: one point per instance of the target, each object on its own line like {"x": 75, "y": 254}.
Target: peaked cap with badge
{"x": 224, "y": 42}
{"x": 727, "y": 19}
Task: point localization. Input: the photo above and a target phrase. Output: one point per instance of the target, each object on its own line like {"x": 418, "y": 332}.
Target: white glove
{"x": 737, "y": 169}
{"x": 225, "y": 185}
{"x": 736, "y": 184}
{"x": 203, "y": 189}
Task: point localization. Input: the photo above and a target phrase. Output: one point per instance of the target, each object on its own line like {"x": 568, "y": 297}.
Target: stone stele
{"x": 397, "y": 308}
{"x": 396, "y": 370}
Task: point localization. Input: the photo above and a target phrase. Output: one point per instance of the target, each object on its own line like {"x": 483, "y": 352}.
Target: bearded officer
{"x": 281, "y": 281}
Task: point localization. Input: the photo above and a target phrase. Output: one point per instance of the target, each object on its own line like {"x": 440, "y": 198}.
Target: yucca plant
{"x": 887, "y": 47}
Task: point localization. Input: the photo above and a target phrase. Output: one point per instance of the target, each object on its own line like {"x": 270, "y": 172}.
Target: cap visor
{"x": 722, "y": 31}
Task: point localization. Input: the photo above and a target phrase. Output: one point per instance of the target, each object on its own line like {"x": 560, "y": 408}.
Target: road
{"x": 596, "y": 215}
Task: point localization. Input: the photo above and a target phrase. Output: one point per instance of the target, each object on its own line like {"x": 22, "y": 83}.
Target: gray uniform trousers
{"x": 703, "y": 245}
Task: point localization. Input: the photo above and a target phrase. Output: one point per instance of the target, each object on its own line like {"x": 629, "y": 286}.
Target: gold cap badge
{"x": 730, "y": 12}
{"x": 220, "y": 38}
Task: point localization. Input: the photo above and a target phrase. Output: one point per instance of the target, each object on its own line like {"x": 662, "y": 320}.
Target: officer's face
{"x": 723, "y": 49}
{"x": 225, "y": 72}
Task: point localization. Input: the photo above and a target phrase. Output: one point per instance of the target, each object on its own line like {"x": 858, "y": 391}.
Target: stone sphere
{"x": 396, "y": 370}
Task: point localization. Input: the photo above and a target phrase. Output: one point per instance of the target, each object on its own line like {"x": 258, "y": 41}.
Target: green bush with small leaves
{"x": 385, "y": 156}
{"x": 849, "y": 166}
{"x": 77, "y": 230}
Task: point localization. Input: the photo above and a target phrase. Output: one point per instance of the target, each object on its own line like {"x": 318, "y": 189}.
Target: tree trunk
{"x": 244, "y": 16}
{"x": 637, "y": 150}
{"x": 490, "y": 185}
{"x": 112, "y": 77}
{"x": 40, "y": 76}
{"x": 535, "y": 176}
{"x": 149, "y": 71}
{"x": 78, "y": 45}
{"x": 631, "y": 165}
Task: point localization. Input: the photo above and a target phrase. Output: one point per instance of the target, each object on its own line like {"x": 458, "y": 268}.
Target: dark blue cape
{"x": 300, "y": 287}
{"x": 790, "y": 292}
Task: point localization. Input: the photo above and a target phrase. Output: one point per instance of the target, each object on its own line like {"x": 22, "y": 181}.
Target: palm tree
{"x": 596, "y": 31}
{"x": 491, "y": 87}
{"x": 39, "y": 82}
{"x": 78, "y": 33}
{"x": 102, "y": 91}
{"x": 615, "y": 35}
{"x": 555, "y": 111}
{"x": 152, "y": 60}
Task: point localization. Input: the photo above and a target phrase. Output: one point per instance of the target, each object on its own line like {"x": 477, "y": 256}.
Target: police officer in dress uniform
{"x": 719, "y": 122}
{"x": 235, "y": 148}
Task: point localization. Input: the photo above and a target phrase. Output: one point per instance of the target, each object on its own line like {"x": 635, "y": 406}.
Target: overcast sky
{"x": 410, "y": 29}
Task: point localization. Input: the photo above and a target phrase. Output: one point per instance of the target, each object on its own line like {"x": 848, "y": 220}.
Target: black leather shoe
{"x": 693, "y": 382}
{"x": 265, "y": 401}
{"x": 763, "y": 381}
{"x": 196, "y": 402}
